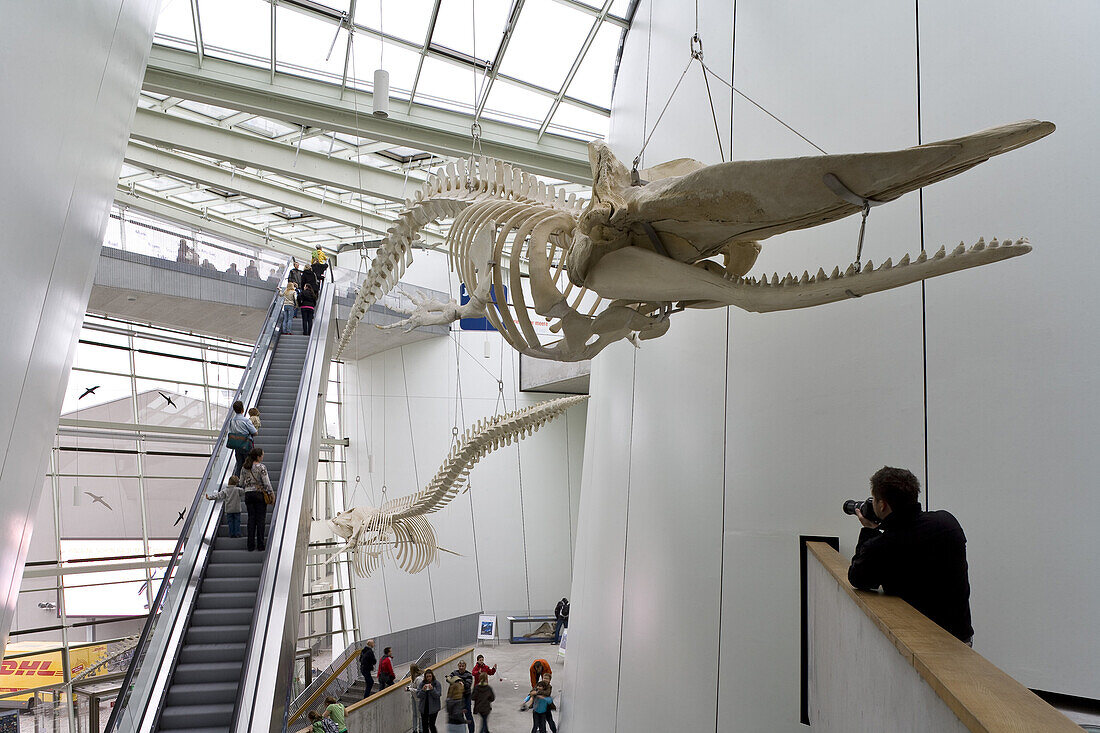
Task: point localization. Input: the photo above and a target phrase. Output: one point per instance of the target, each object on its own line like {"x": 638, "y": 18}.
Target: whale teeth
{"x": 993, "y": 244}
{"x": 887, "y": 264}
{"x": 904, "y": 260}
{"x": 805, "y": 277}
{"x": 979, "y": 246}
{"x": 962, "y": 248}
{"x": 869, "y": 267}
{"x": 852, "y": 270}
{"x": 836, "y": 273}
{"x": 821, "y": 274}
{"x": 775, "y": 278}
{"x": 923, "y": 256}
{"x": 788, "y": 279}
{"x": 941, "y": 253}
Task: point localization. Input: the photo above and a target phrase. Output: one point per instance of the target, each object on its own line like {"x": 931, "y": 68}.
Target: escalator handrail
{"x": 282, "y": 543}
{"x": 246, "y": 388}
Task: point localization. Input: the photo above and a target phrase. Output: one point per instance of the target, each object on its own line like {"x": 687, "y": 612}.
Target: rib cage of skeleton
{"x": 649, "y": 243}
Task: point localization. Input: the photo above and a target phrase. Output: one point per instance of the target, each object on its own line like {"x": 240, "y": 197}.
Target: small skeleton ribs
{"x": 399, "y": 527}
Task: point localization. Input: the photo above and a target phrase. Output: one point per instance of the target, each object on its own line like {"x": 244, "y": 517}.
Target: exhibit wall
{"x": 513, "y": 530}
{"x": 73, "y": 77}
{"x": 711, "y": 450}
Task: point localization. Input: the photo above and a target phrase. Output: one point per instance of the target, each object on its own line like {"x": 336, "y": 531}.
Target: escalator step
{"x": 231, "y": 634}
{"x": 230, "y": 585}
{"x": 212, "y": 672}
{"x": 231, "y": 556}
{"x": 221, "y": 617}
{"x": 226, "y": 600}
{"x": 190, "y": 716}
{"x": 236, "y": 569}
{"x": 210, "y": 693}
{"x": 207, "y": 653}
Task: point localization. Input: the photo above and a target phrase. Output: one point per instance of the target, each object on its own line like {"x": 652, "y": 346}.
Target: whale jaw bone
{"x": 634, "y": 273}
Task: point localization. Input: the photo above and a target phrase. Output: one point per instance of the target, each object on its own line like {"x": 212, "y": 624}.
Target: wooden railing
{"x": 396, "y": 687}
{"x": 981, "y": 696}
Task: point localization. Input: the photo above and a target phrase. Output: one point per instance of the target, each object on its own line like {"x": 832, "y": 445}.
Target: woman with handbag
{"x": 257, "y": 495}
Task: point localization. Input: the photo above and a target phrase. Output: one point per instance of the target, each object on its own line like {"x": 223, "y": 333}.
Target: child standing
{"x": 483, "y": 697}
{"x": 254, "y": 417}
{"x": 540, "y": 707}
{"x": 231, "y": 495}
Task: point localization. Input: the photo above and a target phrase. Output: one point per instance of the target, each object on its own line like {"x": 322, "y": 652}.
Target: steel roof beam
{"x": 319, "y": 104}
{"x": 185, "y": 216}
{"x": 265, "y": 154}
{"x": 513, "y": 20}
{"x": 246, "y": 184}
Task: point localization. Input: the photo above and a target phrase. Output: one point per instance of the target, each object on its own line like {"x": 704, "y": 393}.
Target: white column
{"x": 72, "y": 72}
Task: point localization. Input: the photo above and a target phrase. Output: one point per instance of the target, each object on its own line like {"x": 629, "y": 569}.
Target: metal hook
{"x": 697, "y": 47}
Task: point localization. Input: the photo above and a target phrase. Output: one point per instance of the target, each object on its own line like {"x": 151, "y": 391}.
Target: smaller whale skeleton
{"x": 653, "y": 242}
{"x": 399, "y": 528}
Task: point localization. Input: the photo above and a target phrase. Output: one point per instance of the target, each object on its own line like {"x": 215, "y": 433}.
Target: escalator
{"x": 217, "y": 653}
{"x": 204, "y": 686}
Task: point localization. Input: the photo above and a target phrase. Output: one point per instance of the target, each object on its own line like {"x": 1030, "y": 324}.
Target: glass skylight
{"x": 452, "y": 69}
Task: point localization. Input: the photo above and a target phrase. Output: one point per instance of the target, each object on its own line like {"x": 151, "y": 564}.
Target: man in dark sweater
{"x": 917, "y": 555}
{"x": 467, "y": 680}
{"x": 367, "y": 661}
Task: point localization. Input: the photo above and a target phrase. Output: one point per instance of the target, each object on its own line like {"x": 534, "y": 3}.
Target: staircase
{"x": 202, "y": 691}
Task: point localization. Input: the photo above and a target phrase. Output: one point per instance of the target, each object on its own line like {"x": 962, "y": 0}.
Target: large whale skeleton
{"x": 399, "y": 528}
{"x": 651, "y": 242}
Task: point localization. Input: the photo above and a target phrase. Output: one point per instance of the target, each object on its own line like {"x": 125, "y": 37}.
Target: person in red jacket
{"x": 482, "y": 667}
{"x": 385, "y": 669}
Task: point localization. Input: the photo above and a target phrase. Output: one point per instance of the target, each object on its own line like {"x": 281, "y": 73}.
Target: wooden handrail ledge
{"x": 398, "y": 685}
{"x": 984, "y": 698}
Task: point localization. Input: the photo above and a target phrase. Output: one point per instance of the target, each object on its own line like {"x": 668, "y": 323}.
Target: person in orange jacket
{"x": 538, "y": 668}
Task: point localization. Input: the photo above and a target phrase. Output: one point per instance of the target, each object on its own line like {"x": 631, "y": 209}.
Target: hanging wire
{"x": 697, "y": 55}
{"x": 762, "y": 108}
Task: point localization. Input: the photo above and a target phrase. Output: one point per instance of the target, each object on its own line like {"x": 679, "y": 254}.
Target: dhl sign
{"x": 37, "y": 670}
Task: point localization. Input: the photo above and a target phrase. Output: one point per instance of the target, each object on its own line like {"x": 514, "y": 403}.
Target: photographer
{"x": 917, "y": 555}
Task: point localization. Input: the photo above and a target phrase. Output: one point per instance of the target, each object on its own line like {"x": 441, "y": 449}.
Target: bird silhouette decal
{"x": 88, "y": 391}
{"x": 166, "y": 397}
{"x": 180, "y": 517}
{"x": 98, "y": 499}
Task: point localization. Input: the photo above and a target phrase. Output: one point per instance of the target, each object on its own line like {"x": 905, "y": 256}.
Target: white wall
{"x": 769, "y": 421}
{"x": 70, "y": 84}
{"x": 514, "y": 538}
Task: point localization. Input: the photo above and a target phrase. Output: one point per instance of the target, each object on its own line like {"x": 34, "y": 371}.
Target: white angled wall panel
{"x": 70, "y": 83}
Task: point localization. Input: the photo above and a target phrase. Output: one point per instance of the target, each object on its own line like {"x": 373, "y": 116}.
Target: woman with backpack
{"x": 456, "y": 706}
{"x": 257, "y": 495}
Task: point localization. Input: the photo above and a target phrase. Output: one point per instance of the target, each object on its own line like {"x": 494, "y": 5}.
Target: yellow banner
{"x": 38, "y": 670}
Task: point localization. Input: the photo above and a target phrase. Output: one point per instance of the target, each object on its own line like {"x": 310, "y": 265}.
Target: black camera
{"x": 866, "y": 508}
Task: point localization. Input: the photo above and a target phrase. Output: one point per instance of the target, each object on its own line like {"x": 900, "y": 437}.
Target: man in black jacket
{"x": 561, "y": 613}
{"x": 917, "y": 555}
{"x": 367, "y": 661}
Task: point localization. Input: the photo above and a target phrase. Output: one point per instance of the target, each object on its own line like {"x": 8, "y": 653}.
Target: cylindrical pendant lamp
{"x": 381, "y": 93}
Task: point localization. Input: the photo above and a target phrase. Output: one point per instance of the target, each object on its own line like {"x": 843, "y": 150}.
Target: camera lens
{"x": 850, "y": 506}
